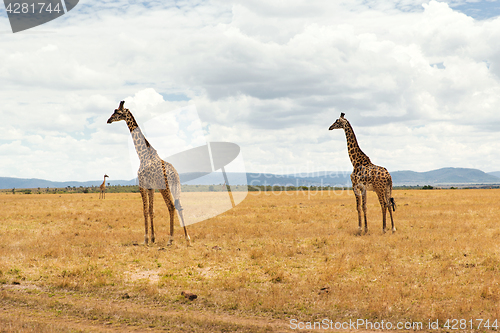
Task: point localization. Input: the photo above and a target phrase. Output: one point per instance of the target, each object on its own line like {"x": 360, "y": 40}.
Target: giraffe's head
{"x": 339, "y": 123}
{"x": 106, "y": 176}
{"x": 120, "y": 114}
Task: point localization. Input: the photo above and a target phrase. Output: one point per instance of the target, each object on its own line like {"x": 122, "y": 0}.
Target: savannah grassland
{"x": 74, "y": 263}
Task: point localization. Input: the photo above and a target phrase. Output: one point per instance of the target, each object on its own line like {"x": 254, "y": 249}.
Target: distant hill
{"x": 10, "y": 182}
{"x": 325, "y": 178}
{"x": 444, "y": 176}
{"x": 495, "y": 173}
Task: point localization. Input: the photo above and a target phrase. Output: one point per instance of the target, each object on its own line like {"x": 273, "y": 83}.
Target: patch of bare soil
{"x": 31, "y": 310}
{"x": 36, "y": 311}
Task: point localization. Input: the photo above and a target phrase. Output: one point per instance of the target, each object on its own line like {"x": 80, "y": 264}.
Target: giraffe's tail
{"x": 393, "y": 204}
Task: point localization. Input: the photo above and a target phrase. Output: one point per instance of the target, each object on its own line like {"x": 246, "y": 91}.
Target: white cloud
{"x": 271, "y": 76}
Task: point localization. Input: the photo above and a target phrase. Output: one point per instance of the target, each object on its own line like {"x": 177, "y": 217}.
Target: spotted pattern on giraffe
{"x": 154, "y": 173}
{"x": 366, "y": 176}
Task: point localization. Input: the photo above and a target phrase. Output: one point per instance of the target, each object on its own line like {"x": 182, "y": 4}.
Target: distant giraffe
{"x": 103, "y": 188}
{"x": 154, "y": 173}
{"x": 367, "y": 176}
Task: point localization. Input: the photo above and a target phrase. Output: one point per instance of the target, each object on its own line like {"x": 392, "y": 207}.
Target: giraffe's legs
{"x": 392, "y": 221}
{"x": 179, "y": 208}
{"x": 358, "y": 206}
{"x": 390, "y": 203}
{"x": 171, "y": 209}
{"x": 363, "y": 195}
{"x": 383, "y": 204}
{"x": 144, "y": 195}
{"x": 386, "y": 204}
{"x": 151, "y": 194}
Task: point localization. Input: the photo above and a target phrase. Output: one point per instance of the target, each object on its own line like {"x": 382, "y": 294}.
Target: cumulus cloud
{"x": 412, "y": 76}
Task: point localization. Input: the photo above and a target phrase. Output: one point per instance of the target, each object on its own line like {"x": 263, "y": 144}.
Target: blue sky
{"x": 418, "y": 80}
{"x": 480, "y": 10}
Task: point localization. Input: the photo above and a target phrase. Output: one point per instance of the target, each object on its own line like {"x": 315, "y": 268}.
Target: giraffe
{"x": 367, "y": 176}
{"x": 103, "y": 188}
{"x": 154, "y": 173}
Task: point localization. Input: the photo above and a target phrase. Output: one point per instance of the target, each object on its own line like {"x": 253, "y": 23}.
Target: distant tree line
{"x": 74, "y": 189}
{"x": 277, "y": 188}
{"x": 216, "y": 188}
{"x": 118, "y": 189}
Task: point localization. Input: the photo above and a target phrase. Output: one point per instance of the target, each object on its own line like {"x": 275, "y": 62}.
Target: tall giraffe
{"x": 154, "y": 173}
{"x": 103, "y": 188}
{"x": 367, "y": 176}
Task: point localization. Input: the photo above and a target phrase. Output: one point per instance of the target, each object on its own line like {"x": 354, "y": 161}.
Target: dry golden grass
{"x": 75, "y": 263}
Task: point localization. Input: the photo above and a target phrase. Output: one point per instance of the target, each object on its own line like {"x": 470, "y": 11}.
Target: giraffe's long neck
{"x": 142, "y": 146}
{"x": 131, "y": 123}
{"x": 355, "y": 153}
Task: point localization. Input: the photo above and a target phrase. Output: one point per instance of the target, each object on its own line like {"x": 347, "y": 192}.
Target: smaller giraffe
{"x": 102, "y": 194}
{"x": 367, "y": 176}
